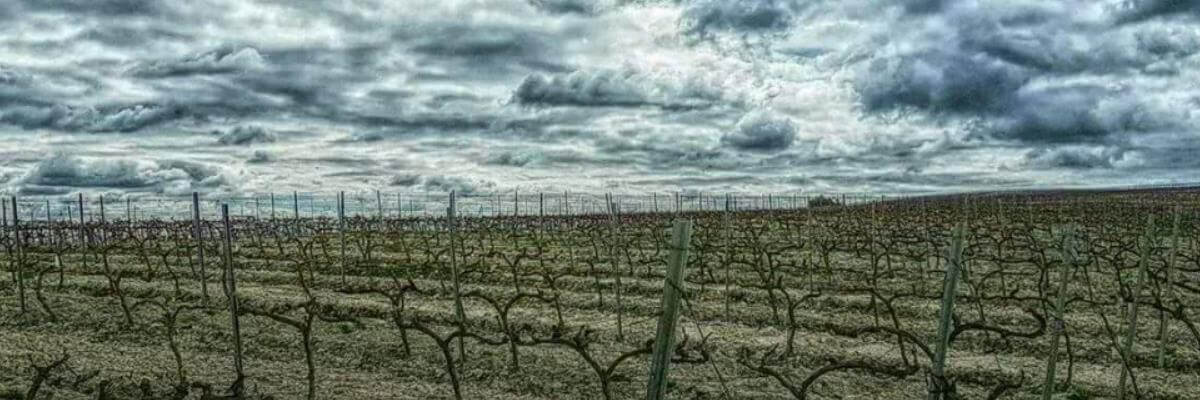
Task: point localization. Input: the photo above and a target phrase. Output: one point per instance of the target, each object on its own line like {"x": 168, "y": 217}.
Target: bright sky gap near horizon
{"x": 232, "y": 97}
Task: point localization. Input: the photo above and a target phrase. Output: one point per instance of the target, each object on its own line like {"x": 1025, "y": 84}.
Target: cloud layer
{"x": 230, "y": 96}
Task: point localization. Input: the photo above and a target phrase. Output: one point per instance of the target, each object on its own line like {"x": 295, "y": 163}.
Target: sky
{"x": 232, "y": 97}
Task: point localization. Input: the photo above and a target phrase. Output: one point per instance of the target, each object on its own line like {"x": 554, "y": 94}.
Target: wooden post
{"x": 4, "y": 213}
{"x": 664, "y": 341}
{"x": 459, "y": 314}
{"x": 616, "y": 266}
{"x": 272, "y": 206}
{"x": 1139, "y": 283}
{"x": 1060, "y": 309}
{"x": 231, "y": 281}
{"x": 541, "y": 205}
{"x": 198, "y": 236}
{"x": 18, "y": 272}
{"x": 52, "y": 231}
{"x": 516, "y": 206}
{"x": 725, "y": 225}
{"x": 949, "y": 291}
{"x": 1170, "y": 289}
{"x": 295, "y": 205}
{"x": 83, "y": 239}
{"x": 103, "y": 236}
{"x": 341, "y": 214}
{"x": 1029, "y": 210}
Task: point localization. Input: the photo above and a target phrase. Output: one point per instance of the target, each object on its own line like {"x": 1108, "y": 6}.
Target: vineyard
{"x": 1031, "y": 296}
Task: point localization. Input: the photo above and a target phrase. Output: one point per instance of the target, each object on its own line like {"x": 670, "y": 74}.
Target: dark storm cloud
{"x": 551, "y": 125}
{"x": 10, "y": 77}
{"x": 1076, "y": 114}
{"x": 481, "y": 42}
{"x": 213, "y": 62}
{"x": 42, "y": 87}
{"x": 605, "y": 88}
{"x": 313, "y": 82}
{"x": 102, "y": 8}
{"x": 64, "y": 171}
{"x": 358, "y": 173}
{"x": 68, "y": 171}
{"x": 923, "y": 6}
{"x": 229, "y": 82}
{"x": 1159, "y": 43}
{"x": 109, "y": 119}
{"x": 406, "y": 180}
{"x": 238, "y": 82}
{"x": 244, "y": 135}
{"x": 937, "y": 81}
{"x": 1054, "y": 49}
{"x": 1028, "y": 72}
{"x": 1177, "y": 153}
{"x": 659, "y": 152}
{"x": 392, "y": 126}
{"x": 243, "y": 82}
{"x": 7, "y": 11}
{"x": 303, "y": 92}
{"x": 485, "y": 48}
{"x": 129, "y": 37}
{"x": 582, "y": 89}
{"x": 449, "y": 122}
{"x": 17, "y": 88}
{"x": 559, "y": 158}
{"x": 701, "y": 16}
{"x": 510, "y": 159}
{"x": 1140, "y": 10}
{"x": 583, "y": 7}
{"x": 262, "y": 157}
{"x": 443, "y": 183}
{"x": 1072, "y": 158}
{"x": 760, "y": 131}
{"x": 350, "y": 162}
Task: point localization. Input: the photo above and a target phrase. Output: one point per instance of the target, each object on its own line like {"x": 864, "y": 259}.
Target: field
{"x": 833, "y": 302}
